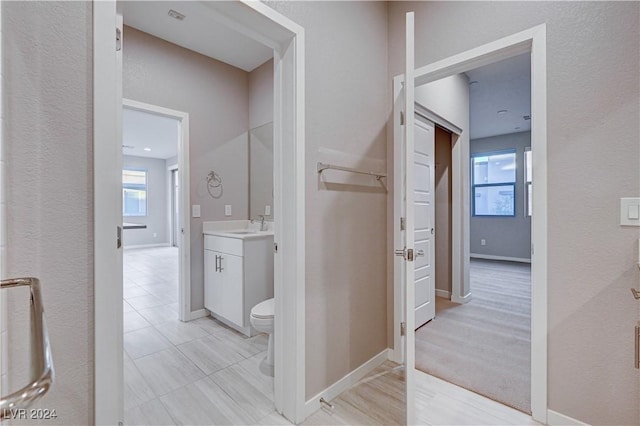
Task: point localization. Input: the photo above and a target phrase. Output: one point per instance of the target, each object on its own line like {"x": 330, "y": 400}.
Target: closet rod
{"x": 324, "y": 166}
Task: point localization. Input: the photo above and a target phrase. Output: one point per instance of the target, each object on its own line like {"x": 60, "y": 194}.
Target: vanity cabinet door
{"x": 213, "y": 286}
{"x": 232, "y": 293}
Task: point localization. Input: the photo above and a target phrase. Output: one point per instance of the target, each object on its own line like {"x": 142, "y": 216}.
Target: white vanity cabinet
{"x": 238, "y": 274}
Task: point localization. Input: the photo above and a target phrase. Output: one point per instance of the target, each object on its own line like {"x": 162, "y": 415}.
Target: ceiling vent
{"x": 176, "y": 15}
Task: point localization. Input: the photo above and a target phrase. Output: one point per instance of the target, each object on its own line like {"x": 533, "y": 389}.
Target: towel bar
{"x": 41, "y": 359}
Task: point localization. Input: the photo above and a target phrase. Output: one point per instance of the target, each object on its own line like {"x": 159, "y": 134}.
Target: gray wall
{"x": 443, "y": 198}
{"x": 347, "y": 105}
{"x": 593, "y": 160}
{"x": 48, "y": 132}
{"x": 261, "y": 140}
{"x": 504, "y": 236}
{"x": 261, "y": 95}
{"x": 156, "y": 218}
{"x": 216, "y": 96}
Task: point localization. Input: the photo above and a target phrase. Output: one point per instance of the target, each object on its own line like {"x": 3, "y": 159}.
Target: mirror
{"x": 261, "y": 171}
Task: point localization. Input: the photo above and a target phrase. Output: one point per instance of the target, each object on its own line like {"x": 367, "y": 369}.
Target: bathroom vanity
{"x": 238, "y": 272}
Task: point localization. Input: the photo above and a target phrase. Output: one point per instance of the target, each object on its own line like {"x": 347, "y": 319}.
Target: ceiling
{"x": 195, "y": 31}
{"x": 142, "y": 130}
{"x": 502, "y": 86}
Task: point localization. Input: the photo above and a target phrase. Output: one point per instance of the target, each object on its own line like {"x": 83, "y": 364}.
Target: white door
{"x": 423, "y": 229}
{"x": 407, "y": 209}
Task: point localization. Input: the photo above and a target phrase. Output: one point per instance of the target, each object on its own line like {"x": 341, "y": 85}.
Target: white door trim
{"x": 261, "y": 23}
{"x": 532, "y": 40}
{"x": 184, "y": 293}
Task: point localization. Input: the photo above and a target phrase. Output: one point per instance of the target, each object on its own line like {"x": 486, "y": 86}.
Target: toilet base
{"x": 266, "y": 365}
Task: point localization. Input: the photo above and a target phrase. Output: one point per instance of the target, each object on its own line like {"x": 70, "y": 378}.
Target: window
{"x": 527, "y": 179}
{"x": 134, "y": 192}
{"x": 493, "y": 183}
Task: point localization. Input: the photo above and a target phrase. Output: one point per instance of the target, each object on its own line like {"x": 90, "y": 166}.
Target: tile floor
{"x": 204, "y": 373}
{"x": 200, "y": 372}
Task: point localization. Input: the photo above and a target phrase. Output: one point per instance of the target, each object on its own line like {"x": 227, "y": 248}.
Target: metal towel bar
{"x": 41, "y": 360}
{"x": 323, "y": 166}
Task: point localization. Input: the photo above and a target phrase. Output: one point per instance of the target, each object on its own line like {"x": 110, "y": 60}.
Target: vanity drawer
{"x": 223, "y": 244}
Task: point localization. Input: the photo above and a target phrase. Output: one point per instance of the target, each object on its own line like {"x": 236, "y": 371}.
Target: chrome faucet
{"x": 262, "y": 227}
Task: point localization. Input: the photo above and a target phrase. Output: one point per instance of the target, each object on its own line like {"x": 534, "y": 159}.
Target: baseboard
{"x": 146, "y": 246}
{"x": 558, "y": 419}
{"x": 464, "y": 299}
{"x": 200, "y": 313}
{"x": 491, "y": 257}
{"x": 443, "y": 293}
{"x": 312, "y": 405}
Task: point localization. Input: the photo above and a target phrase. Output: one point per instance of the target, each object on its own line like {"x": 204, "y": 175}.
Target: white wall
{"x": 593, "y": 159}
{"x": 347, "y": 105}
{"x": 156, "y": 218}
{"x": 504, "y": 236}
{"x": 216, "y": 96}
{"x": 49, "y": 187}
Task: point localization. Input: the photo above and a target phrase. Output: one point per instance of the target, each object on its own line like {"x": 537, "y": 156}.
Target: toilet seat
{"x": 264, "y": 310}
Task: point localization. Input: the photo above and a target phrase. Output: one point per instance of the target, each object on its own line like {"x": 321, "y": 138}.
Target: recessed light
{"x": 176, "y": 15}
{"x": 502, "y": 111}
{"x": 147, "y": 149}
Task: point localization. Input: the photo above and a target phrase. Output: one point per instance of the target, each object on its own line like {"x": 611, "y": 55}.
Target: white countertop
{"x": 240, "y": 229}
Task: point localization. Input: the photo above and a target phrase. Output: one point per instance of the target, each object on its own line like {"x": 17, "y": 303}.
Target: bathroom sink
{"x": 241, "y": 232}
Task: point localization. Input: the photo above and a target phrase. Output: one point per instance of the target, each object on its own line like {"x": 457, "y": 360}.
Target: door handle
{"x": 405, "y": 253}
{"x": 221, "y": 268}
{"x": 217, "y": 268}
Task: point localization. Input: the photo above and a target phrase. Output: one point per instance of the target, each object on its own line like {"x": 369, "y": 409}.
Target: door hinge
{"x": 637, "y": 346}
{"x": 532, "y": 250}
{"x": 403, "y": 328}
{"x": 118, "y": 237}
{"x": 402, "y": 118}
{"x": 403, "y": 223}
{"x": 275, "y": 247}
{"x": 118, "y": 39}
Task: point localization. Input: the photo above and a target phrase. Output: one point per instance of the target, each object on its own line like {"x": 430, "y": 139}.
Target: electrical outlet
{"x": 155, "y": 235}
{"x": 227, "y": 210}
{"x": 483, "y": 242}
{"x": 195, "y": 210}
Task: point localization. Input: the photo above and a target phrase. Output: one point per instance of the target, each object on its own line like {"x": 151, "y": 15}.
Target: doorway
{"x": 260, "y": 23}
{"x": 484, "y": 344}
{"x": 531, "y": 41}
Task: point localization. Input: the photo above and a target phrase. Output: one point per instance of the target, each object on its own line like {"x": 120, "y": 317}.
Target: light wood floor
{"x": 379, "y": 400}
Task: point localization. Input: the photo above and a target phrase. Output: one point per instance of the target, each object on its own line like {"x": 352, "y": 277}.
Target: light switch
{"x": 227, "y": 210}
{"x": 267, "y": 210}
{"x": 195, "y": 210}
{"x": 630, "y": 211}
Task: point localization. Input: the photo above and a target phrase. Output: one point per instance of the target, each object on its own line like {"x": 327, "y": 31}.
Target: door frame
{"x": 184, "y": 249}
{"x": 171, "y": 203}
{"x": 263, "y": 24}
{"x": 531, "y": 41}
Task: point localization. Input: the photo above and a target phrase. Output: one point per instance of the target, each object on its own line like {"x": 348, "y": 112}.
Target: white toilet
{"x": 262, "y": 320}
